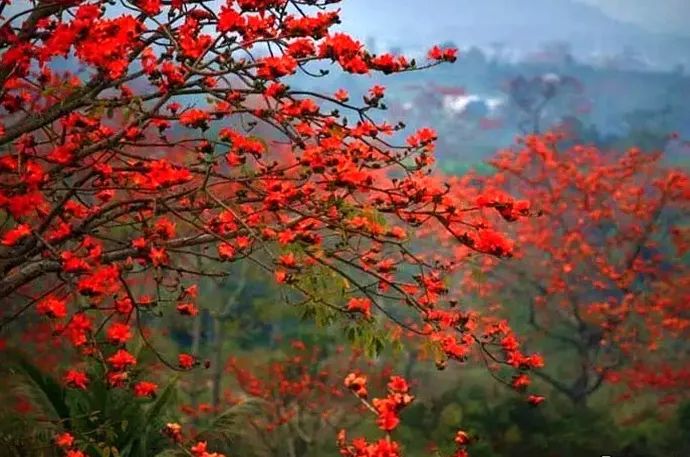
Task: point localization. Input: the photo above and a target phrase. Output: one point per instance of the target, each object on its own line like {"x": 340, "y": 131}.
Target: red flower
{"x": 397, "y": 232}
{"x": 186, "y": 361}
{"x": 158, "y": 256}
{"x": 534, "y": 400}
{"x": 535, "y": 361}
{"x": 52, "y": 307}
{"x": 187, "y": 309}
{"x": 102, "y": 281}
{"x": 123, "y": 305}
{"x": 341, "y": 95}
{"x": 117, "y": 378}
{"x": 462, "y": 438}
{"x": 229, "y": 20}
{"x": 139, "y": 243}
{"x": 226, "y": 251}
{"x": 75, "y": 453}
{"x": 492, "y": 242}
{"x": 20, "y": 205}
{"x": 276, "y": 67}
{"x": 387, "y": 63}
{"x": 360, "y": 305}
{"x": 340, "y": 46}
{"x": 76, "y": 379}
{"x": 78, "y": 329}
{"x": 64, "y": 440}
{"x": 150, "y": 7}
{"x": 275, "y": 90}
{"x": 13, "y": 236}
{"x": 520, "y": 382}
{"x": 281, "y": 276}
{"x": 118, "y": 333}
{"x": 145, "y": 389}
{"x": 191, "y": 291}
{"x": 387, "y": 414}
{"x": 288, "y": 260}
{"x": 357, "y": 383}
{"x": 195, "y": 118}
{"x": 162, "y": 174}
{"x": 199, "y": 449}
{"x": 422, "y": 137}
{"x": 301, "y": 48}
{"x": 73, "y": 264}
{"x": 448, "y": 54}
{"x": 398, "y": 384}
{"x": 174, "y": 431}
{"x": 121, "y": 360}
{"x": 192, "y": 43}
{"x": 377, "y": 91}
{"x": 164, "y": 228}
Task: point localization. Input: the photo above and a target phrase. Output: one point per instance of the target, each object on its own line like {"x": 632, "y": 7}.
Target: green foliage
{"x": 504, "y": 425}
{"x": 107, "y": 422}
{"x": 324, "y": 288}
{"x": 371, "y": 338}
{"x": 230, "y": 430}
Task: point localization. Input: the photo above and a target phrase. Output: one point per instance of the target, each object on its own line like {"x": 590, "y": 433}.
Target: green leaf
{"x": 367, "y": 336}
{"x": 50, "y": 393}
{"x": 230, "y": 426}
{"x": 162, "y": 401}
{"x": 140, "y": 426}
{"x": 168, "y": 453}
{"x": 451, "y": 415}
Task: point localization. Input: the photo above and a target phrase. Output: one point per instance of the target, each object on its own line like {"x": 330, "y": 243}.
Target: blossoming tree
{"x": 129, "y": 167}
{"x": 601, "y": 277}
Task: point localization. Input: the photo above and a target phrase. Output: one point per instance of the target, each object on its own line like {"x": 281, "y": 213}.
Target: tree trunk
{"x": 218, "y": 365}
{"x": 196, "y": 345}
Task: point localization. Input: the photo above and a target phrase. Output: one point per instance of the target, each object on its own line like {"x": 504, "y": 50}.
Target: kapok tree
{"x": 601, "y": 273}
{"x": 300, "y": 397}
{"x": 129, "y": 169}
{"x": 292, "y": 390}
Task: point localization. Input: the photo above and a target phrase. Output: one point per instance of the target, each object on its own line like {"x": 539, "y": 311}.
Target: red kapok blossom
{"x": 118, "y": 333}
{"x": 121, "y": 360}
{"x": 535, "y": 400}
{"x": 15, "y": 235}
{"x": 75, "y": 453}
{"x": 174, "y": 431}
{"x": 64, "y": 440}
{"x": 186, "y": 361}
{"x": 145, "y": 389}
{"x": 52, "y": 307}
{"x": 357, "y": 383}
{"x": 76, "y": 379}
{"x": 187, "y": 309}
{"x": 360, "y": 305}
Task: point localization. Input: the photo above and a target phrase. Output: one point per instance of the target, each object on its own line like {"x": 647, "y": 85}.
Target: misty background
{"x": 612, "y": 72}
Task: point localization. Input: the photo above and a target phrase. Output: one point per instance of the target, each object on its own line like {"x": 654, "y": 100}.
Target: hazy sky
{"x": 671, "y": 16}
{"x": 656, "y": 15}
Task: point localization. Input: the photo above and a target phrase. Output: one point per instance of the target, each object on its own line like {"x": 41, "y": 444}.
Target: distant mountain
{"x": 523, "y": 26}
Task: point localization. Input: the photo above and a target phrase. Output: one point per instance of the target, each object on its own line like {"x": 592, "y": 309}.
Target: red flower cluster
{"x": 387, "y": 410}
{"x": 360, "y": 305}
{"x": 66, "y": 441}
{"x": 76, "y": 379}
